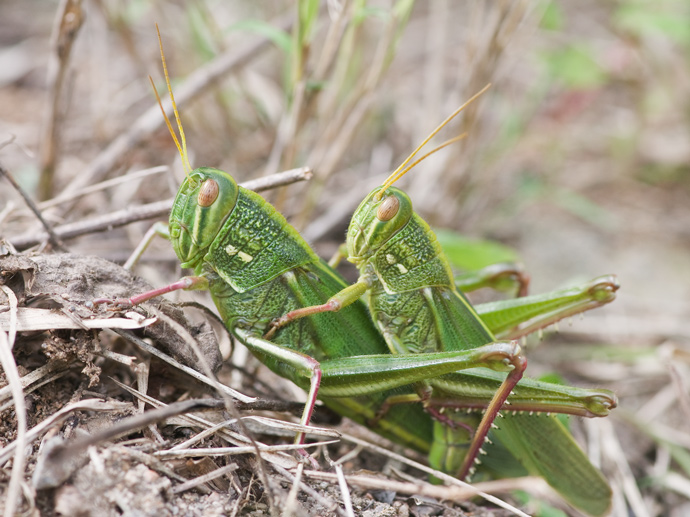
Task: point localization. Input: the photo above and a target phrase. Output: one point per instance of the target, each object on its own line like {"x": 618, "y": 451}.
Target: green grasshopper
{"x": 257, "y": 268}
{"x": 418, "y": 309}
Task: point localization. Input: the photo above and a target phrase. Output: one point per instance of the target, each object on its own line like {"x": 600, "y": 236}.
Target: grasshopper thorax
{"x": 376, "y": 221}
{"x": 203, "y": 203}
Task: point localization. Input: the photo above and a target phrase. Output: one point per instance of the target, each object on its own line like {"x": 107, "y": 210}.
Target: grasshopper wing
{"x": 545, "y": 448}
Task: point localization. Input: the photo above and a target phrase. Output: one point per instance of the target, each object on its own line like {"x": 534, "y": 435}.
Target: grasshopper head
{"x": 376, "y": 221}
{"x": 204, "y": 201}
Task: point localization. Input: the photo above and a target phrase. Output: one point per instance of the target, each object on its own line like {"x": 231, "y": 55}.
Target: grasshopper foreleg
{"x": 187, "y": 282}
{"x": 158, "y": 229}
{"x": 336, "y": 302}
{"x": 338, "y": 256}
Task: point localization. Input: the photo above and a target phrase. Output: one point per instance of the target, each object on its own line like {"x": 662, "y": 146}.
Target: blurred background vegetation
{"x": 578, "y": 156}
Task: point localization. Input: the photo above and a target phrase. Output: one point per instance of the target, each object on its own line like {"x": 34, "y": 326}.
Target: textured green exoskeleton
{"x": 257, "y": 268}
{"x": 417, "y": 308}
{"x": 414, "y": 302}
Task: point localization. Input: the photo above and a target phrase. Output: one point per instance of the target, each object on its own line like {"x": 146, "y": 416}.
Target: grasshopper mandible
{"x": 415, "y": 304}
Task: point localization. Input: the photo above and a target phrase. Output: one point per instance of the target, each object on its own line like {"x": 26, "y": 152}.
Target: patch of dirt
{"x": 124, "y": 476}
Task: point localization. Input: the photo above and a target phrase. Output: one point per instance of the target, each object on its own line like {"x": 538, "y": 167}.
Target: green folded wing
{"x": 545, "y": 448}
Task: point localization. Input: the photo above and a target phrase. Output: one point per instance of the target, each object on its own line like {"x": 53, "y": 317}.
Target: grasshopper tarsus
{"x": 504, "y": 356}
{"x": 345, "y": 297}
{"x": 114, "y": 304}
{"x": 187, "y": 282}
{"x": 440, "y": 416}
{"x": 309, "y": 459}
{"x": 504, "y": 277}
{"x": 602, "y": 404}
{"x": 278, "y": 323}
{"x": 603, "y": 289}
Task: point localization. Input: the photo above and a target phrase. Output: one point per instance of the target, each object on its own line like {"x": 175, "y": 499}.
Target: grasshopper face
{"x": 376, "y": 221}
{"x": 203, "y": 203}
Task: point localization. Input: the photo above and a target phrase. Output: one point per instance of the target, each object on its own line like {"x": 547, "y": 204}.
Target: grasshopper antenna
{"x": 182, "y": 149}
{"x": 425, "y": 156}
{"x": 404, "y": 169}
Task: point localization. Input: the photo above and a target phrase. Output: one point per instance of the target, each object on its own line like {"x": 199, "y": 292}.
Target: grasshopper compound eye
{"x": 388, "y": 209}
{"x": 208, "y": 193}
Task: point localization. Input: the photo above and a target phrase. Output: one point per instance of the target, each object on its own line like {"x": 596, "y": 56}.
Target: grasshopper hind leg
{"x": 306, "y": 366}
{"x": 501, "y": 396}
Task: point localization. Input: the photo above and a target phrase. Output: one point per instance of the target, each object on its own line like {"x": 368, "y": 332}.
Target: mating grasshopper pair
{"x": 430, "y": 354}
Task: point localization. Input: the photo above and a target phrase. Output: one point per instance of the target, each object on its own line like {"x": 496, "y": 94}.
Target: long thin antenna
{"x": 425, "y": 156}
{"x": 182, "y": 149}
{"x": 402, "y": 169}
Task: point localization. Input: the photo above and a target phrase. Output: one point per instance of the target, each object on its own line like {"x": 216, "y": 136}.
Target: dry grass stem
{"x": 32, "y": 320}
{"x": 32, "y": 378}
{"x": 149, "y": 211}
{"x": 344, "y": 490}
{"x": 193, "y": 483}
{"x": 236, "y": 450}
{"x": 103, "y": 185}
{"x": 224, "y": 390}
{"x": 441, "y": 475}
{"x": 330, "y": 505}
{"x": 9, "y": 366}
{"x": 50, "y": 232}
{"x": 150, "y": 121}
{"x": 625, "y": 476}
{"x": 68, "y": 21}
{"x": 454, "y": 493}
{"x": 59, "y": 417}
{"x": 290, "y": 508}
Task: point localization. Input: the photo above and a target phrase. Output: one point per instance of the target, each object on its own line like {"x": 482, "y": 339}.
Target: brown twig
{"x": 58, "y": 418}
{"x": 140, "y": 213}
{"x": 67, "y": 24}
{"x": 50, "y": 233}
{"x": 196, "y": 84}
{"x": 453, "y": 493}
{"x": 104, "y": 185}
{"x": 222, "y": 389}
{"x": 329, "y": 505}
{"x": 198, "y": 481}
{"x": 59, "y": 469}
{"x": 9, "y": 367}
